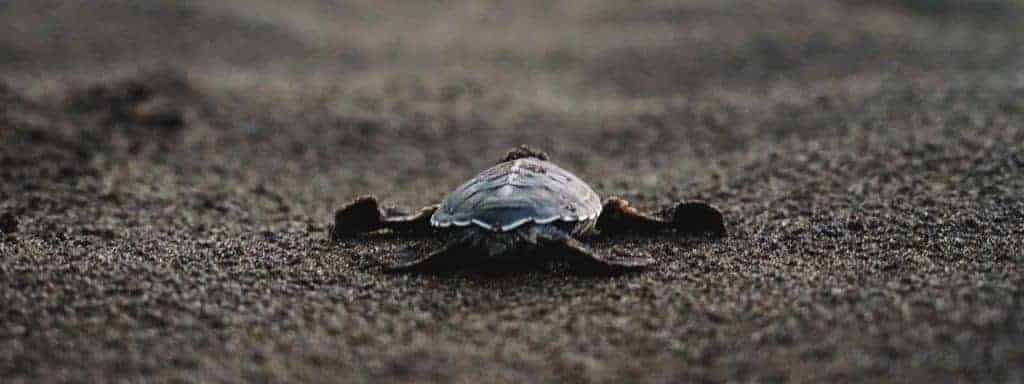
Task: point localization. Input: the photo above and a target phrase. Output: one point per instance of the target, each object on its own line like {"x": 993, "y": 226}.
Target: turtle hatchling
{"x": 523, "y": 203}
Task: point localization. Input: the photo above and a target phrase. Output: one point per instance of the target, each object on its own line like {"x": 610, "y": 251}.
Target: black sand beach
{"x": 169, "y": 170}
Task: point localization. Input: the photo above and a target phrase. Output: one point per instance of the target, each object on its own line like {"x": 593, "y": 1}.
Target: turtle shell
{"x": 517, "y": 192}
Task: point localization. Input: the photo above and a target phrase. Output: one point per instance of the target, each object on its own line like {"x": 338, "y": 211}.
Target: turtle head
{"x": 523, "y": 152}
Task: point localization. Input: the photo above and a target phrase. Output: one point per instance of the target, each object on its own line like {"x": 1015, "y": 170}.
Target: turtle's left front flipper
{"x": 617, "y": 216}
{"x": 364, "y": 214}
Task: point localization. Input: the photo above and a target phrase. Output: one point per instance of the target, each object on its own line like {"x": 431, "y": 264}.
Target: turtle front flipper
{"x": 617, "y": 216}
{"x": 697, "y": 217}
{"x": 364, "y": 214}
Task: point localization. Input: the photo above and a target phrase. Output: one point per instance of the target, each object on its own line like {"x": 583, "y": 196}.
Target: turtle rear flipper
{"x": 556, "y": 237}
{"x": 411, "y": 259}
{"x": 617, "y": 216}
{"x": 608, "y": 258}
{"x": 364, "y": 214}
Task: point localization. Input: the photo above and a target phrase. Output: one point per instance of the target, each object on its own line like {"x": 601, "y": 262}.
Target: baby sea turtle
{"x": 522, "y": 202}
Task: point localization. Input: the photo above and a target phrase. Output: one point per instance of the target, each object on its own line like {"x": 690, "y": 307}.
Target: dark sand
{"x": 168, "y": 171}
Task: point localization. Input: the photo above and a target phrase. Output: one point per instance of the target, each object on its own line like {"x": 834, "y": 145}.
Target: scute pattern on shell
{"x": 513, "y": 193}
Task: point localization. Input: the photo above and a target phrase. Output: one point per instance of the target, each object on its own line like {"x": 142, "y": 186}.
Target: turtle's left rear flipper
{"x": 364, "y": 214}
{"x": 617, "y": 216}
{"x": 412, "y": 259}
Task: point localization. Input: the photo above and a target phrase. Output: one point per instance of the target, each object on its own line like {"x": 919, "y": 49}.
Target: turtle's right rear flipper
{"x": 604, "y": 257}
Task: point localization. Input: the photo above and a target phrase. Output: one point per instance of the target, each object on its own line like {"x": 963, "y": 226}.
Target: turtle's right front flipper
{"x": 364, "y": 214}
{"x": 694, "y": 218}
